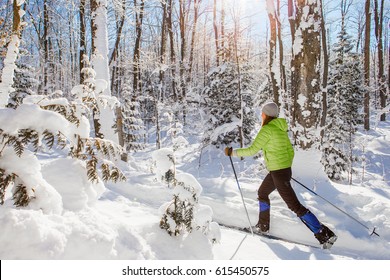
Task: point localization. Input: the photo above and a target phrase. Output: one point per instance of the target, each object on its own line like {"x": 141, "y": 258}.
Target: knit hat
{"x": 270, "y": 109}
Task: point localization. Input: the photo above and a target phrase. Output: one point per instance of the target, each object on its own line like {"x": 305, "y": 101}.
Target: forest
{"x": 114, "y": 117}
{"x": 126, "y": 73}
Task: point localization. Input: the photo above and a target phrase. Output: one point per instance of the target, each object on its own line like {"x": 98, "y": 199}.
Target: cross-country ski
{"x": 270, "y": 236}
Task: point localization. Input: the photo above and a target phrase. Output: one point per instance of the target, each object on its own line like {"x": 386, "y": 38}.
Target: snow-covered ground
{"x": 121, "y": 221}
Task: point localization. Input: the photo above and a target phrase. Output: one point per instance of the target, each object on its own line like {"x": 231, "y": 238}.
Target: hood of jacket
{"x": 279, "y": 123}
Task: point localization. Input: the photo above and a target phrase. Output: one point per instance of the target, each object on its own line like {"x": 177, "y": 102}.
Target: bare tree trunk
{"x": 281, "y": 52}
{"x": 183, "y": 14}
{"x": 119, "y": 32}
{"x": 240, "y": 128}
{"x": 291, "y": 18}
{"x": 272, "y": 52}
{"x": 325, "y": 72}
{"x": 305, "y": 76}
{"x": 193, "y": 35}
{"x": 157, "y": 117}
{"x": 172, "y": 49}
{"x": 116, "y": 73}
{"x": 388, "y": 61}
{"x": 216, "y": 31}
{"x": 360, "y": 29}
{"x": 222, "y": 36}
{"x": 163, "y": 46}
{"x": 204, "y": 55}
{"x": 378, "y": 15}
{"x": 137, "y": 46}
{"x": 46, "y": 43}
{"x": 73, "y": 54}
{"x": 83, "y": 45}
{"x": 119, "y": 73}
{"x": 367, "y": 66}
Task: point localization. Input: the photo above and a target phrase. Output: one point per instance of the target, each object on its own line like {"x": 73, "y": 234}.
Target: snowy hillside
{"x": 121, "y": 221}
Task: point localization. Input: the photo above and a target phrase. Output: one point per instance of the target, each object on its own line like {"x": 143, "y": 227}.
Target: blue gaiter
{"x": 263, "y": 206}
{"x": 311, "y": 222}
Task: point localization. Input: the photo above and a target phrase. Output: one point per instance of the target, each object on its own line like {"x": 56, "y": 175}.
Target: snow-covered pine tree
{"x": 150, "y": 99}
{"x": 171, "y": 125}
{"x": 133, "y": 126}
{"x": 183, "y": 214}
{"x": 224, "y": 106}
{"x": 52, "y": 123}
{"x": 345, "y": 99}
{"x": 164, "y": 165}
{"x": 24, "y": 84}
{"x": 179, "y": 213}
{"x": 89, "y": 94}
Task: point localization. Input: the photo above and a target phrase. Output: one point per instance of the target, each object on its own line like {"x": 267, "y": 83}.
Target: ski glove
{"x": 229, "y": 151}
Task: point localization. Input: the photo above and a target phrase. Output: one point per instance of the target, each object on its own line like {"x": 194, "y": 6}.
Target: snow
{"x": 71, "y": 218}
{"x": 164, "y": 161}
{"x": 32, "y": 116}
{"x": 74, "y": 219}
{"x": 298, "y": 42}
{"x": 69, "y": 178}
{"x": 190, "y": 186}
{"x": 81, "y": 220}
{"x": 28, "y": 170}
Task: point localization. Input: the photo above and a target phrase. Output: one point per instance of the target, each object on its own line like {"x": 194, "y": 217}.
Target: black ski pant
{"x": 280, "y": 180}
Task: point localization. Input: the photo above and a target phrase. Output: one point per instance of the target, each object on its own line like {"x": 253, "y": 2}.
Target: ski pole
{"x": 242, "y": 197}
{"x": 341, "y": 210}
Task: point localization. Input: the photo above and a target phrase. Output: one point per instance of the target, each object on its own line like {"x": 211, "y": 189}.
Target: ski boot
{"x": 326, "y": 237}
{"x": 262, "y": 225}
{"x": 261, "y": 228}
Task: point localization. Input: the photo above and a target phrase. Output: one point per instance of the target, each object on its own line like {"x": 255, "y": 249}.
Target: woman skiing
{"x": 278, "y": 154}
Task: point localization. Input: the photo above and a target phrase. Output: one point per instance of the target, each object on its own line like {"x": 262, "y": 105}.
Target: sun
{"x": 249, "y": 10}
{"x": 245, "y": 6}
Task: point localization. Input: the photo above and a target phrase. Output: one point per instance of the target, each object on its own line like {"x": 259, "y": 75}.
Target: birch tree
{"x": 7, "y": 77}
{"x": 104, "y": 121}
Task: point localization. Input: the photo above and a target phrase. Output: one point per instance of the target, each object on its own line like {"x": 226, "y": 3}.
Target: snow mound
{"x": 76, "y": 235}
{"x": 187, "y": 187}
{"x": 70, "y": 179}
{"x": 164, "y": 163}
{"x": 192, "y": 246}
{"x": 28, "y": 169}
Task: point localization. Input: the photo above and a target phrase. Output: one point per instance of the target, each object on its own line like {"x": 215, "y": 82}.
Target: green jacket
{"x": 273, "y": 140}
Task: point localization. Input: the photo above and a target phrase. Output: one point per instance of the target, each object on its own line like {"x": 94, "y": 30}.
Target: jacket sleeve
{"x": 259, "y": 143}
